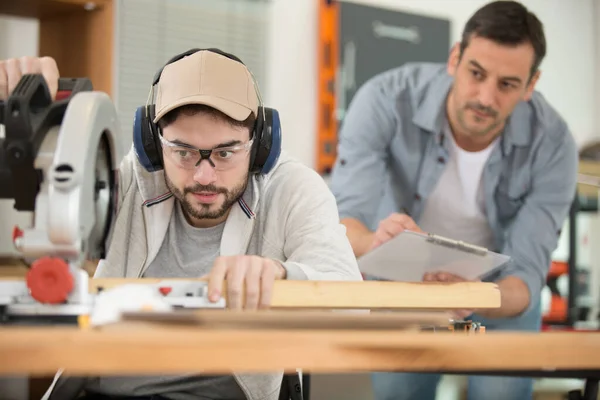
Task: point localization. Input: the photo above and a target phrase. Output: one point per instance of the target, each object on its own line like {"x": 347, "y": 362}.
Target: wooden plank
{"x": 356, "y": 294}
{"x": 12, "y": 271}
{"x": 341, "y": 294}
{"x": 591, "y": 168}
{"x": 139, "y": 349}
{"x": 365, "y": 294}
{"x": 14, "y": 268}
{"x": 294, "y": 319}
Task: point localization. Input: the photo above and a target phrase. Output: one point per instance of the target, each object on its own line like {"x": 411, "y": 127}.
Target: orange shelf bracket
{"x": 327, "y": 58}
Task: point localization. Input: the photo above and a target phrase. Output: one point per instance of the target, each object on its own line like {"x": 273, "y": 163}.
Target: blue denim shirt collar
{"x": 431, "y": 115}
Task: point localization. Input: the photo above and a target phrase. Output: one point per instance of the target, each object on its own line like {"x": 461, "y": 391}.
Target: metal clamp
{"x": 457, "y": 244}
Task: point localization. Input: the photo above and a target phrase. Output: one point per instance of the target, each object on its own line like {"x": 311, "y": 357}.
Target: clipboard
{"x": 409, "y": 255}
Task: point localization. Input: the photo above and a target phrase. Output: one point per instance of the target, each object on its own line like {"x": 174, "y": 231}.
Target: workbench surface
{"x": 135, "y": 348}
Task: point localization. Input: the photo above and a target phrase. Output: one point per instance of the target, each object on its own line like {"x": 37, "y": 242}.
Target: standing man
{"x": 204, "y": 191}
{"x": 469, "y": 151}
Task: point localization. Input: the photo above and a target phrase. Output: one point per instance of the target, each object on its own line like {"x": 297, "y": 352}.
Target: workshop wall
{"x": 289, "y": 79}
{"x": 18, "y": 37}
{"x": 568, "y": 78}
{"x": 149, "y": 32}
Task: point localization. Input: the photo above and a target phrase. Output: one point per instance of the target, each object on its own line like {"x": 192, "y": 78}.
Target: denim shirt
{"x": 392, "y": 151}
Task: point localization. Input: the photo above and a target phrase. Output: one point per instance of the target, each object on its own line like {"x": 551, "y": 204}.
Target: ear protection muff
{"x": 146, "y": 142}
{"x": 267, "y": 142}
{"x": 266, "y": 147}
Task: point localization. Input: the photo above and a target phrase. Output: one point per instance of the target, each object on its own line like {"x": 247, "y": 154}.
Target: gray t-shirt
{"x": 186, "y": 252}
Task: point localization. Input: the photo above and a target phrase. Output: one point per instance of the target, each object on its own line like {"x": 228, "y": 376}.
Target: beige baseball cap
{"x": 209, "y": 78}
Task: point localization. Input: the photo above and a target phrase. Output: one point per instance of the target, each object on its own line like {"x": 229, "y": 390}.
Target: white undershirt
{"x": 455, "y": 208}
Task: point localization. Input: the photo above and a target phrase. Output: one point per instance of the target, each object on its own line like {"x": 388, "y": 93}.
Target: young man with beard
{"x": 206, "y": 208}
{"x": 466, "y": 150}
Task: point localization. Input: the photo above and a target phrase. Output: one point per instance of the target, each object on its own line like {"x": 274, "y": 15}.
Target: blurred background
{"x": 309, "y": 57}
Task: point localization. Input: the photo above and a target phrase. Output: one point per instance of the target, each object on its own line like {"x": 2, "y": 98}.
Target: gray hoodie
{"x": 289, "y": 215}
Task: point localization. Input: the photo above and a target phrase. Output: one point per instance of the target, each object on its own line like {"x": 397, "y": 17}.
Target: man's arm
{"x": 358, "y": 176}
{"x": 514, "y": 298}
{"x": 534, "y": 233}
{"x": 361, "y": 238}
{"x": 305, "y": 219}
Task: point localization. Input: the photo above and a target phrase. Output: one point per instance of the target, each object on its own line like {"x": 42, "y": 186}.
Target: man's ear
{"x": 531, "y": 85}
{"x": 453, "y": 59}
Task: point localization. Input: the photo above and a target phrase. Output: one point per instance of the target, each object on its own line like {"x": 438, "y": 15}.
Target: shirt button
{"x": 417, "y": 197}
{"x": 441, "y": 160}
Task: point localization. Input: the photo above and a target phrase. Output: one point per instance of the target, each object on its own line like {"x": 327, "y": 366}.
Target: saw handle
{"x": 28, "y": 115}
{"x": 67, "y": 87}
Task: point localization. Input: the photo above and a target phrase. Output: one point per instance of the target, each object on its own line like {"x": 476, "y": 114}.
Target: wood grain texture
{"x": 149, "y": 349}
{"x": 293, "y": 319}
{"x": 356, "y": 294}
{"x": 365, "y": 294}
{"x": 15, "y": 268}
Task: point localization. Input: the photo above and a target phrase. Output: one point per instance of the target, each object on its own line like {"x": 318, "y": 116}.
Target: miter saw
{"x": 59, "y": 159}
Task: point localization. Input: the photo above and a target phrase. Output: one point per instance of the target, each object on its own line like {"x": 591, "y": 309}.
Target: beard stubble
{"x": 203, "y": 211}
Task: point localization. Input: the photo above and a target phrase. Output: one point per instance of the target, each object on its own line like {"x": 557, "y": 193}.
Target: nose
{"x": 205, "y": 173}
{"x": 487, "y": 94}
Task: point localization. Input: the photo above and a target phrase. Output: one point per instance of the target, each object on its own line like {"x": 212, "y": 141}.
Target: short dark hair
{"x": 508, "y": 23}
{"x": 193, "y": 109}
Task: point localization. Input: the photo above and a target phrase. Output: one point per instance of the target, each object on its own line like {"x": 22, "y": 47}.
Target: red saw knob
{"x": 164, "y": 290}
{"x": 49, "y": 280}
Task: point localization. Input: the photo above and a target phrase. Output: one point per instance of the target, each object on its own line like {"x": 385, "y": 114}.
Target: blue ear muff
{"x": 274, "y": 126}
{"x": 267, "y": 141}
{"x": 145, "y": 142}
{"x": 137, "y": 140}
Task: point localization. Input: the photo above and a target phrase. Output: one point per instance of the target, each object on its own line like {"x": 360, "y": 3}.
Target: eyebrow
{"x": 220, "y": 145}
{"x": 505, "y": 78}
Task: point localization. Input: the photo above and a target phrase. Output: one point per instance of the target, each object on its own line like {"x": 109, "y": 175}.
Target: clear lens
{"x": 221, "y": 158}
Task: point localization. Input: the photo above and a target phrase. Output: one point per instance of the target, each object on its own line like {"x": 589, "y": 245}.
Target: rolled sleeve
{"x": 357, "y": 180}
{"x": 533, "y": 236}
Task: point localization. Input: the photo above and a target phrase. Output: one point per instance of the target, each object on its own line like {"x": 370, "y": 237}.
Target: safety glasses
{"x": 220, "y": 158}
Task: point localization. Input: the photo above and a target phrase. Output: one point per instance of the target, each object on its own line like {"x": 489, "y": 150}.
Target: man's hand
{"x": 446, "y": 277}
{"x": 514, "y": 296}
{"x": 251, "y": 276}
{"x": 12, "y": 70}
{"x": 391, "y": 227}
